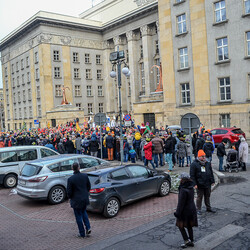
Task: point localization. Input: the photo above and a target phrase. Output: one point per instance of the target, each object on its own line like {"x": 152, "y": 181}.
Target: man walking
{"x": 157, "y": 149}
{"x": 220, "y": 153}
{"x": 202, "y": 175}
{"x": 78, "y": 192}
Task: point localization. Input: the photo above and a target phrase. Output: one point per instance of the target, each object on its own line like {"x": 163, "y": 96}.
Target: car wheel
{"x": 228, "y": 144}
{"x": 111, "y": 208}
{"x": 164, "y": 188}
{"x": 10, "y": 181}
{"x": 56, "y": 195}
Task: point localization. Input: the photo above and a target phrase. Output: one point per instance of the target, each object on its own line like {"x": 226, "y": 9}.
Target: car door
{"x": 9, "y": 162}
{"x": 25, "y": 156}
{"x": 144, "y": 183}
{"x": 46, "y": 152}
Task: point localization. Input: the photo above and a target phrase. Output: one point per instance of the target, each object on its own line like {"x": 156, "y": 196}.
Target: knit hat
{"x": 184, "y": 175}
{"x": 148, "y": 139}
{"x": 201, "y": 153}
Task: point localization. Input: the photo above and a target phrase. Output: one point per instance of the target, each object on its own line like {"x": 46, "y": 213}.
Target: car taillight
{"x": 96, "y": 190}
{"x": 38, "y": 179}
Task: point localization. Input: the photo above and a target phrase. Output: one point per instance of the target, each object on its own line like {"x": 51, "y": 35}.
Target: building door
{"x": 53, "y": 123}
{"x": 150, "y": 118}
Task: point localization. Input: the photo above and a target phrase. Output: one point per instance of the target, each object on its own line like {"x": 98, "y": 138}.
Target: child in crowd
{"x": 132, "y": 154}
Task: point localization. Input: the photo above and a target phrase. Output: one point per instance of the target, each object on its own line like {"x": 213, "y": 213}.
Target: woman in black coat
{"x": 186, "y": 215}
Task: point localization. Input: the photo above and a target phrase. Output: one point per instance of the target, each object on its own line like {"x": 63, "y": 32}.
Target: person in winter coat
{"x": 69, "y": 146}
{"x": 182, "y": 151}
{"x": 148, "y": 152}
{"x": 168, "y": 149}
{"x": 243, "y": 153}
{"x": 199, "y": 145}
{"x": 220, "y": 153}
{"x": 189, "y": 151}
{"x": 1, "y": 143}
{"x": 110, "y": 146}
{"x": 50, "y": 145}
{"x": 132, "y": 155}
{"x": 93, "y": 145}
{"x": 78, "y": 143}
{"x": 208, "y": 148}
{"x": 126, "y": 148}
{"x": 202, "y": 175}
{"x": 186, "y": 215}
{"x": 60, "y": 146}
{"x": 157, "y": 149}
{"x": 142, "y": 144}
{"x": 136, "y": 144}
{"x": 85, "y": 144}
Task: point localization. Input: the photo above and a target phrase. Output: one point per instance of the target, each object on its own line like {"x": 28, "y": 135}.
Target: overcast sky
{"x": 15, "y": 12}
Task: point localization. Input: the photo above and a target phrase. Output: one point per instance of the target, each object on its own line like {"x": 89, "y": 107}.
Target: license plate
{"x": 22, "y": 182}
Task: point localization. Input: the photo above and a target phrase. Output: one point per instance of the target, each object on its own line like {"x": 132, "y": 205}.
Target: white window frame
{"x": 142, "y": 75}
{"x": 87, "y": 57}
{"x": 225, "y": 120}
{"x": 19, "y": 96}
{"x": 90, "y": 108}
{"x": 100, "y": 90}
{"x": 28, "y": 77}
{"x": 247, "y": 7}
{"x": 29, "y": 95}
{"x": 77, "y": 90}
{"x": 39, "y": 110}
{"x": 6, "y": 71}
{"x": 58, "y": 90}
{"x": 79, "y": 105}
{"x": 183, "y": 58}
{"x": 57, "y": 73}
{"x": 24, "y": 95}
{"x": 76, "y": 73}
{"x": 75, "y": 57}
{"x": 100, "y": 107}
{"x": 185, "y": 93}
{"x": 37, "y": 74}
{"x": 30, "y": 111}
{"x": 248, "y": 43}
{"x": 99, "y": 74}
{"x": 36, "y": 57}
{"x": 88, "y": 74}
{"x": 22, "y": 64}
{"x": 27, "y": 61}
{"x": 17, "y": 81}
{"x": 17, "y": 66}
{"x": 89, "y": 90}
{"x": 221, "y": 10}
{"x": 181, "y": 23}
{"x": 56, "y": 55}
{"x": 223, "y": 48}
{"x": 224, "y": 86}
{"x": 98, "y": 59}
{"x": 38, "y": 92}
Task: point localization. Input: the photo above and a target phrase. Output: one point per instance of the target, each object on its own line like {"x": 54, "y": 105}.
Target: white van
{"x": 12, "y": 160}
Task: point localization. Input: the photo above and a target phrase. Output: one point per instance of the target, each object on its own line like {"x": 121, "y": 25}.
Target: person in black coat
{"x": 78, "y": 187}
{"x": 186, "y": 216}
{"x": 208, "y": 148}
{"x": 69, "y": 146}
{"x": 110, "y": 146}
{"x": 220, "y": 153}
{"x": 199, "y": 145}
{"x": 169, "y": 149}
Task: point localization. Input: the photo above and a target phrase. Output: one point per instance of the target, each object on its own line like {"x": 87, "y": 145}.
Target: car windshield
{"x": 30, "y": 170}
{"x": 237, "y": 131}
{"x": 94, "y": 179}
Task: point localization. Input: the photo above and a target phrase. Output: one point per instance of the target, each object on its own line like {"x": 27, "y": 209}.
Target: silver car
{"x": 46, "y": 179}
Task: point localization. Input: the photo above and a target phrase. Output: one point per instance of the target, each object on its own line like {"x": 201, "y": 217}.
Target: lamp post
{"x": 117, "y": 58}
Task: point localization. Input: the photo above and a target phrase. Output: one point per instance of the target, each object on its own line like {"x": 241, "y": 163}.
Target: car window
{"x": 54, "y": 167}
{"x": 47, "y": 152}
{"x": 223, "y": 131}
{"x": 27, "y": 155}
{"x": 88, "y": 162}
{"x": 67, "y": 165}
{"x": 138, "y": 171}
{"x": 30, "y": 170}
{"x": 213, "y": 132}
{"x": 8, "y": 156}
{"x": 120, "y": 174}
{"x": 237, "y": 131}
{"x": 94, "y": 179}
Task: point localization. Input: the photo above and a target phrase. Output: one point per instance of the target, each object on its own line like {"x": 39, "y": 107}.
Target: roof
{"x": 13, "y": 148}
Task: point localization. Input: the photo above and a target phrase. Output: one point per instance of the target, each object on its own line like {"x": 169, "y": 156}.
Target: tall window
{"x": 157, "y": 62}
{"x": 12, "y": 68}
{"x": 142, "y": 79}
{"x": 99, "y": 74}
{"x": 181, "y": 23}
{"x": 77, "y": 90}
{"x": 39, "y": 110}
{"x": 75, "y": 57}
{"x": 20, "y": 113}
{"x": 129, "y": 89}
{"x": 157, "y": 47}
{"x": 87, "y": 58}
{"x": 76, "y": 73}
{"x": 88, "y": 73}
{"x": 6, "y": 71}
{"x": 185, "y": 93}
{"x": 100, "y": 93}
{"x": 14, "y": 97}
{"x": 225, "y": 120}
{"x": 28, "y": 77}
{"x": 56, "y": 55}
{"x": 127, "y": 56}
{"x": 25, "y": 112}
{"x": 24, "y": 95}
{"x": 27, "y": 61}
{"x": 98, "y": 59}
{"x": 90, "y": 108}
{"x": 17, "y": 81}
{"x": 56, "y": 72}
{"x": 36, "y": 57}
{"x": 23, "y": 79}
{"x": 225, "y": 89}
{"x": 222, "y": 49}
{"x": 38, "y": 93}
{"x": 141, "y": 51}
{"x": 29, "y": 95}
{"x": 248, "y": 43}
{"x": 22, "y": 64}
{"x": 247, "y": 6}
{"x": 13, "y": 82}
{"x": 183, "y": 58}
{"x": 17, "y": 66}
{"x": 37, "y": 74}
{"x": 220, "y": 11}
{"x": 78, "y": 105}
{"x": 58, "y": 89}
{"x": 30, "y": 111}
{"x": 18, "y": 96}
{"x": 248, "y": 79}
{"x": 100, "y": 107}
{"x": 89, "y": 90}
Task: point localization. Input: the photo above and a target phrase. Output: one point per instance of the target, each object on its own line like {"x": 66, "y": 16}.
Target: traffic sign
{"x": 36, "y": 122}
{"x": 127, "y": 123}
{"x": 127, "y": 117}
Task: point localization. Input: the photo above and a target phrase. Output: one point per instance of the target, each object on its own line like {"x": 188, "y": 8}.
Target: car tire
{"x": 164, "y": 188}
{"x": 111, "y": 207}
{"x": 10, "y": 181}
{"x": 57, "y": 195}
{"x": 228, "y": 144}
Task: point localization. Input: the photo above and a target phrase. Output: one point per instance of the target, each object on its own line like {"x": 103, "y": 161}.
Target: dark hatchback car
{"x": 114, "y": 187}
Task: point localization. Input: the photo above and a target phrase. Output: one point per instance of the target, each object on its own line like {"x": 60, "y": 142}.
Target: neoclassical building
{"x": 203, "y": 48}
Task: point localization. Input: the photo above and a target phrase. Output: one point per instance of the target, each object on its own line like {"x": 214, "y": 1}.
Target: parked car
{"x": 46, "y": 179}
{"x": 230, "y": 134}
{"x": 12, "y": 159}
{"x": 112, "y": 188}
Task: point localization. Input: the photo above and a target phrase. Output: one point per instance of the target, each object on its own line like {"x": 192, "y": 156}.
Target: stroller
{"x": 232, "y": 161}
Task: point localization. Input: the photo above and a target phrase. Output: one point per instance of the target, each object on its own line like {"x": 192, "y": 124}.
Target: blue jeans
{"x": 146, "y": 163}
{"x": 181, "y": 161}
{"x": 188, "y": 160}
{"x": 220, "y": 163}
{"x": 82, "y": 216}
{"x": 168, "y": 159}
{"x": 156, "y": 159}
{"x": 79, "y": 152}
{"x": 125, "y": 157}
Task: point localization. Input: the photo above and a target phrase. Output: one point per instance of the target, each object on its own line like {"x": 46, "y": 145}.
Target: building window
{"x": 22, "y": 64}
{"x": 36, "y": 57}
{"x": 15, "y": 114}
{"x": 129, "y": 89}
{"x": 13, "y": 82}
{"x": 37, "y": 74}
{"x": 157, "y": 62}
{"x": 89, "y": 90}
{"x": 183, "y": 57}
{"x": 30, "y": 111}
{"x": 185, "y": 93}
{"x": 225, "y": 90}
{"x": 57, "y": 72}
{"x": 77, "y": 90}
{"x": 225, "y": 120}
{"x": 28, "y": 77}
{"x": 157, "y": 51}
{"x": 12, "y": 68}
{"x": 56, "y": 55}
{"x": 27, "y": 61}
{"x": 20, "y": 113}
{"x": 58, "y": 89}
{"x": 24, "y": 95}
{"x": 100, "y": 107}
{"x": 17, "y": 66}
{"x": 99, "y": 74}
{"x": 248, "y": 43}
{"x": 25, "y": 112}
{"x": 23, "y": 79}
{"x": 17, "y": 81}
{"x": 38, "y": 93}
{"x": 100, "y": 93}
{"x": 76, "y": 73}
{"x": 248, "y": 81}
{"x": 88, "y": 73}
{"x": 181, "y": 24}
{"x": 222, "y": 49}
{"x": 220, "y": 11}
{"x": 90, "y": 108}
{"x": 247, "y": 6}
{"x": 29, "y": 95}
{"x": 6, "y": 71}
{"x": 142, "y": 79}
{"x": 98, "y": 59}
{"x": 75, "y": 57}
{"x": 39, "y": 110}
{"x": 18, "y": 96}
{"x": 79, "y": 105}
{"x": 141, "y": 51}
{"x": 6, "y": 85}
{"x": 87, "y": 58}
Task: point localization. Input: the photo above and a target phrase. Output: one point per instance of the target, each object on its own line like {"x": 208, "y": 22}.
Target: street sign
{"x": 190, "y": 123}
{"x": 36, "y": 122}
{"x": 127, "y": 117}
{"x": 127, "y": 123}
{"x": 100, "y": 119}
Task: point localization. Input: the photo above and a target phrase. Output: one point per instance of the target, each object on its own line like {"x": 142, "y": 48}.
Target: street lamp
{"x": 117, "y": 58}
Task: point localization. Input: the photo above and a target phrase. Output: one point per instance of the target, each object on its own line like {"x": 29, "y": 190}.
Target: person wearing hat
{"x": 199, "y": 144}
{"x": 243, "y": 153}
{"x": 208, "y": 148}
{"x": 220, "y": 153}
{"x": 186, "y": 216}
{"x": 148, "y": 149}
{"x": 202, "y": 175}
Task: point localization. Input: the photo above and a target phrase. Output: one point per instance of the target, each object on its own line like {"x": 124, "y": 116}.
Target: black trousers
{"x": 206, "y": 192}
{"x": 184, "y": 233}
